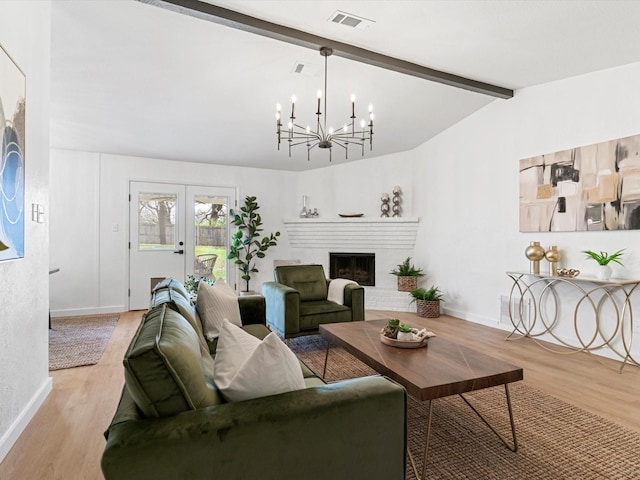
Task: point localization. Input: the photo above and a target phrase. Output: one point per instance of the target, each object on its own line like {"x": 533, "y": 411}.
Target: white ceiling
{"x": 134, "y": 79}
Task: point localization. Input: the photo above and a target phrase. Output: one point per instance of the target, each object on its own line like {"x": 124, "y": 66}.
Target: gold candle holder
{"x": 535, "y": 253}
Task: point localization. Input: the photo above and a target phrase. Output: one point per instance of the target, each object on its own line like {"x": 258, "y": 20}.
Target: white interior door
{"x": 175, "y": 231}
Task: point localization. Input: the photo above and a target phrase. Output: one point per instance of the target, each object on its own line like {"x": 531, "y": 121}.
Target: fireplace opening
{"x": 359, "y": 267}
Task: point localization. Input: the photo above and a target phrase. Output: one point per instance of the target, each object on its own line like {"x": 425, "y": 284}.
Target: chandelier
{"x": 322, "y": 137}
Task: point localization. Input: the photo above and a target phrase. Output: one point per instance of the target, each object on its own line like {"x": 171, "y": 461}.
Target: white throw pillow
{"x": 214, "y": 304}
{"x": 248, "y": 368}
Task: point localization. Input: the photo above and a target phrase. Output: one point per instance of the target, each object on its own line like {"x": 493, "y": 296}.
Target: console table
{"x": 603, "y": 310}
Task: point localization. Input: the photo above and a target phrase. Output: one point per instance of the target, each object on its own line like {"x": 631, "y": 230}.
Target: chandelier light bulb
{"x": 290, "y": 125}
{"x": 345, "y": 129}
{"x": 278, "y": 115}
{"x": 353, "y": 98}
{"x": 319, "y": 94}
{"x": 293, "y": 99}
{"x": 362, "y": 124}
{"x": 370, "y": 108}
{"x": 308, "y": 129}
{"x": 330, "y": 131}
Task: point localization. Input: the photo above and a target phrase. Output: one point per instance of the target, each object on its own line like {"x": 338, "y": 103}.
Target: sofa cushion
{"x": 172, "y": 284}
{"x": 248, "y": 368}
{"x": 178, "y": 303}
{"x": 312, "y": 314}
{"x": 214, "y": 304}
{"x": 164, "y": 368}
{"x": 308, "y": 280}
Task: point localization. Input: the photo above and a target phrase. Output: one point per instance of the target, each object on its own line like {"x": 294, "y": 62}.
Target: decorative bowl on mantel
{"x": 351, "y": 215}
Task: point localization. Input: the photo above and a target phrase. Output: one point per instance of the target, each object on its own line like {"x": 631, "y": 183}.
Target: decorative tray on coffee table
{"x": 417, "y": 338}
{"x": 404, "y": 343}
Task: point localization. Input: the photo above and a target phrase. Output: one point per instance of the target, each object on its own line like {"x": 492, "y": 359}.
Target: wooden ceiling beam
{"x": 240, "y": 21}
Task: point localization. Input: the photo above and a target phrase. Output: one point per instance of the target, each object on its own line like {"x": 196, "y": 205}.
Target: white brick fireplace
{"x": 390, "y": 239}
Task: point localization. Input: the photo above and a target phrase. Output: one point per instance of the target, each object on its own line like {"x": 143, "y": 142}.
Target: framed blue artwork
{"x": 12, "y": 156}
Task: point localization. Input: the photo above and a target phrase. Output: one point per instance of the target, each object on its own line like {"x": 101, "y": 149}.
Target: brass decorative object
{"x": 553, "y": 255}
{"x": 535, "y": 253}
{"x": 568, "y": 272}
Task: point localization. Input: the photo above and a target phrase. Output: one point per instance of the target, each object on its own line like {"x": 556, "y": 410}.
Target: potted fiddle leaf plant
{"x": 247, "y": 244}
{"x": 427, "y": 301}
{"x": 604, "y": 259}
{"x": 408, "y": 275}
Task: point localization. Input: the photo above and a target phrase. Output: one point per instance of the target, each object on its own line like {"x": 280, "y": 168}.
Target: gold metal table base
{"x": 541, "y": 290}
{"x": 513, "y": 448}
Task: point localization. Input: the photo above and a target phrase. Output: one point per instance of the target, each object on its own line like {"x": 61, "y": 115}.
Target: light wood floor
{"x": 64, "y": 440}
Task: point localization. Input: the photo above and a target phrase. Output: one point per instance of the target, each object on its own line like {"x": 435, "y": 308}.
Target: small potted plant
{"x": 603, "y": 259}
{"x": 427, "y": 301}
{"x": 407, "y": 275}
{"x": 191, "y": 285}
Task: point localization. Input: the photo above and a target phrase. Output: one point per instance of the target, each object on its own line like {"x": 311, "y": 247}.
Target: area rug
{"x": 78, "y": 341}
{"x": 556, "y": 440}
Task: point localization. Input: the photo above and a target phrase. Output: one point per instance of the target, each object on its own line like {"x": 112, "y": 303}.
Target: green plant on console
{"x": 434, "y": 294}
{"x": 603, "y": 258}
{"x": 407, "y": 269}
{"x": 246, "y": 245}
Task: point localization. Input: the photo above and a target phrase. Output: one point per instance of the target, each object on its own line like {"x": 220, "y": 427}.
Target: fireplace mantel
{"x": 354, "y": 234}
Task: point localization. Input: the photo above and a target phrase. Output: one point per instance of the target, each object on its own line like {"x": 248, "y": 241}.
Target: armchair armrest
{"x": 354, "y": 298}
{"x": 283, "y": 308}
{"x": 253, "y": 310}
{"x": 350, "y": 429}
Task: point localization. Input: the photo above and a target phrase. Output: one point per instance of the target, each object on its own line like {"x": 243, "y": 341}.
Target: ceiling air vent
{"x": 306, "y": 69}
{"x": 350, "y": 20}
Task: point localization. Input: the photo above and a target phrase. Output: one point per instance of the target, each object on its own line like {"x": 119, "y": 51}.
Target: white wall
{"x": 90, "y": 195}
{"x": 469, "y": 180}
{"x": 24, "y": 380}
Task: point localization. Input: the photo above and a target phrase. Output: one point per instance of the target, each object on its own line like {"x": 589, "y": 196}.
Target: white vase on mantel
{"x": 603, "y": 272}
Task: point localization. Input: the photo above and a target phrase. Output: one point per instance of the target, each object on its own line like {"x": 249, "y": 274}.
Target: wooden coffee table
{"x": 441, "y": 369}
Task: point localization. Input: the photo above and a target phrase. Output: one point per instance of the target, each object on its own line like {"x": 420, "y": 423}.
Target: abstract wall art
{"x": 12, "y": 157}
{"x": 590, "y": 188}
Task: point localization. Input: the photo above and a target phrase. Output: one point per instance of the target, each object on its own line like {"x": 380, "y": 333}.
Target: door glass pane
{"x": 156, "y": 221}
{"x": 211, "y": 234}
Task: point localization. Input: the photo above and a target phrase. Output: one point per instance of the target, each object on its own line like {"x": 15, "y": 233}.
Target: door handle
{"x": 180, "y": 252}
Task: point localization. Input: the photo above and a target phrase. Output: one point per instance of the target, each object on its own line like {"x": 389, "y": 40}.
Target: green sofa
{"x": 171, "y": 423}
{"x": 297, "y": 301}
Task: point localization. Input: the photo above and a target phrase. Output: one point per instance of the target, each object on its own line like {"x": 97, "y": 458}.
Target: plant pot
{"x": 428, "y": 308}
{"x": 603, "y": 272}
{"x": 406, "y": 284}
{"x": 405, "y": 336}
{"x": 246, "y": 293}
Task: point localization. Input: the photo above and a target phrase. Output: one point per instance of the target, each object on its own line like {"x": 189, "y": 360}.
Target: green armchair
{"x": 297, "y": 301}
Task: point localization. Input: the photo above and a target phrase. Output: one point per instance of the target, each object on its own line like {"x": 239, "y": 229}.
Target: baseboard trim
{"x": 74, "y": 312}
{"x": 9, "y": 439}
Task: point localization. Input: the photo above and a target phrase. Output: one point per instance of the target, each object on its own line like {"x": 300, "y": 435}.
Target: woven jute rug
{"x": 78, "y": 341}
{"x": 556, "y": 440}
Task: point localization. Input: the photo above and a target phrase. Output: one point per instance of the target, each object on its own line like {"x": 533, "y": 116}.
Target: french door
{"x": 174, "y": 231}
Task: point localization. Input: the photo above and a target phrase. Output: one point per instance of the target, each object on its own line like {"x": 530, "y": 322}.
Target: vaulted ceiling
{"x": 135, "y": 79}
